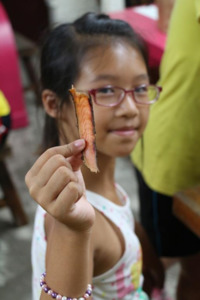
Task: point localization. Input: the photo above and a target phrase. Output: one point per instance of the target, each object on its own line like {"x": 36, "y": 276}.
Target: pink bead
{"x": 59, "y": 297}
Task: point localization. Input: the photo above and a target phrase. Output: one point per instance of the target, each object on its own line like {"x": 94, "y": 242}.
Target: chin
{"x": 125, "y": 152}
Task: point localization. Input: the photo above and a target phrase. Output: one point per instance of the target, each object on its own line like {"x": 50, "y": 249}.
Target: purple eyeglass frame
{"x": 92, "y": 92}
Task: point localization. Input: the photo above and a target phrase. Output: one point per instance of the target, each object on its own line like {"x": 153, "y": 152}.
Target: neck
{"x": 102, "y": 181}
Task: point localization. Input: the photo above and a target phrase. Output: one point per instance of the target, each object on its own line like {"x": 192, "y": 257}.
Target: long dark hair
{"x": 64, "y": 50}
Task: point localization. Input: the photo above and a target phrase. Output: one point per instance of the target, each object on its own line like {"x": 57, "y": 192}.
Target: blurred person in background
{"x": 61, "y": 11}
{"x": 167, "y": 157}
{"x": 5, "y": 119}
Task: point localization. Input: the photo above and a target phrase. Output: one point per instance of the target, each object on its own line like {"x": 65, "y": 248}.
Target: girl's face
{"x": 117, "y": 128}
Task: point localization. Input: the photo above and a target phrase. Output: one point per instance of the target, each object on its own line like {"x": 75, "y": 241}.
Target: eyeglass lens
{"x": 146, "y": 94}
{"x": 113, "y": 95}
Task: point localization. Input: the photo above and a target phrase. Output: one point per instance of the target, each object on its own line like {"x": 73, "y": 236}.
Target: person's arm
{"x": 68, "y": 261}
{"x": 165, "y": 8}
{"x": 153, "y": 269}
{"x": 55, "y": 182}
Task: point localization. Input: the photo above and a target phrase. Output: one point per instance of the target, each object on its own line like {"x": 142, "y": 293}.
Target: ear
{"x": 50, "y": 102}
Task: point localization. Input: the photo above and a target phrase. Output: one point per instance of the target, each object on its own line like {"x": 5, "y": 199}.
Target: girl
{"x": 84, "y": 229}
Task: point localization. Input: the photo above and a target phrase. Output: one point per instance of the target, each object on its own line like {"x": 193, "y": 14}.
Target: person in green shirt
{"x": 167, "y": 158}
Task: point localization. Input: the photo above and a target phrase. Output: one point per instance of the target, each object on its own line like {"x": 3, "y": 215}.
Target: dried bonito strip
{"x": 86, "y": 126}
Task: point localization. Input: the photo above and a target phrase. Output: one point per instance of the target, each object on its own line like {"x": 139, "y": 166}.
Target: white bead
{"x": 44, "y": 286}
{"x": 81, "y": 298}
{"x": 59, "y": 297}
{"x": 86, "y": 295}
{"x": 50, "y": 292}
{"x": 64, "y": 298}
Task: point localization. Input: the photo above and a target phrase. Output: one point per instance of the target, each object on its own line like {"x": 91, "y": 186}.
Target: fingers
{"x": 55, "y": 181}
{"x": 52, "y": 186}
{"x": 55, "y": 164}
{"x": 66, "y": 200}
{"x": 72, "y": 149}
{"x": 76, "y": 161}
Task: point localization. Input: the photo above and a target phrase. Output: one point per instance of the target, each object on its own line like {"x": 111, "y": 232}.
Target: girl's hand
{"x": 55, "y": 182}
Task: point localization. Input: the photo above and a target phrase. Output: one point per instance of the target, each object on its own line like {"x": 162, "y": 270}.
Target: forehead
{"x": 119, "y": 60}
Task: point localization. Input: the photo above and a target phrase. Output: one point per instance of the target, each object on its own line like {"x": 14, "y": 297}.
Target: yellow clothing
{"x": 169, "y": 158}
{"x": 4, "y": 106}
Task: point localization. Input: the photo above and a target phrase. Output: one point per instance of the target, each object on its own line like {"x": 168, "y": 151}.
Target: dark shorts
{"x": 170, "y": 237}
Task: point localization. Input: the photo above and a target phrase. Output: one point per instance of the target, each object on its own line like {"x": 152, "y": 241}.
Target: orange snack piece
{"x": 86, "y": 126}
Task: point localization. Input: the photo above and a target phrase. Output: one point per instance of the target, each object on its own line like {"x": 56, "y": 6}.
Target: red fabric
{"x": 10, "y": 80}
{"x": 149, "y": 31}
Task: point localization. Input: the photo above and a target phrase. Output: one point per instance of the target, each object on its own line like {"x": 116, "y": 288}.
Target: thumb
{"x": 76, "y": 160}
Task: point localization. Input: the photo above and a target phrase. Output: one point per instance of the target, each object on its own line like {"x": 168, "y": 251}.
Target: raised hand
{"x": 55, "y": 182}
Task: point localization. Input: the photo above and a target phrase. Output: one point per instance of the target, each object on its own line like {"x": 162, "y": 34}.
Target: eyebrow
{"x": 108, "y": 76}
{"x": 104, "y": 77}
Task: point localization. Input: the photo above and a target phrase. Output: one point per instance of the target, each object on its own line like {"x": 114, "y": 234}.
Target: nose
{"x": 128, "y": 105}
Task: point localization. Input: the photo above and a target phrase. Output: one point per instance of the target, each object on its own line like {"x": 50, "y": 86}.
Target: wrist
{"x": 56, "y": 295}
{"x": 71, "y": 233}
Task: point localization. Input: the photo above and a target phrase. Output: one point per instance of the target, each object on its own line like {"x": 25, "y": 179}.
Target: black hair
{"x": 64, "y": 50}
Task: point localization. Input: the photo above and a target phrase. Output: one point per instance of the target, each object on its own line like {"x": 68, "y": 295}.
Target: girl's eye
{"x": 106, "y": 90}
{"x": 141, "y": 89}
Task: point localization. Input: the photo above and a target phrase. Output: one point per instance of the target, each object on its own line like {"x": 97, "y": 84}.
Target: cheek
{"x": 144, "y": 118}
{"x": 99, "y": 125}
{"x": 102, "y": 117}
{"x": 101, "y": 121}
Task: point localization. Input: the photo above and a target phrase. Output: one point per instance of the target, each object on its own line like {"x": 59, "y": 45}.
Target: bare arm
{"x": 165, "y": 8}
{"x": 69, "y": 261}
{"x": 55, "y": 182}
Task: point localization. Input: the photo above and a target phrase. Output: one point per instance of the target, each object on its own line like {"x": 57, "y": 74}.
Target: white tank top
{"x": 124, "y": 280}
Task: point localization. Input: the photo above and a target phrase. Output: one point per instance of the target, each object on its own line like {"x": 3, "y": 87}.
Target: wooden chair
{"x": 186, "y": 207}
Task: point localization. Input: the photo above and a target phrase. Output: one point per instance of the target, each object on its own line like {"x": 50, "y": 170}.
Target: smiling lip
{"x": 124, "y": 131}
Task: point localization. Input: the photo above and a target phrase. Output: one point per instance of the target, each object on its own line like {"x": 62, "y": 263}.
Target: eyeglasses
{"x": 112, "y": 95}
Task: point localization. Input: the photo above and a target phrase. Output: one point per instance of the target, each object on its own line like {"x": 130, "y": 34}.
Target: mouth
{"x": 124, "y": 131}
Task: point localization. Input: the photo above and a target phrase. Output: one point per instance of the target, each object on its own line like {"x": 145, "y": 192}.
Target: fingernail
{"x": 79, "y": 143}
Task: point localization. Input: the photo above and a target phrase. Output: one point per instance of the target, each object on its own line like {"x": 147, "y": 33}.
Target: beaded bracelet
{"x": 55, "y": 295}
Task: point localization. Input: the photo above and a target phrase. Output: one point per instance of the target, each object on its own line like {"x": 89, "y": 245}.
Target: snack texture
{"x": 86, "y": 127}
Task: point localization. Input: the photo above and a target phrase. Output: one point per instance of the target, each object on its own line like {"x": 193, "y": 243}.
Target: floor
{"x": 15, "y": 242}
